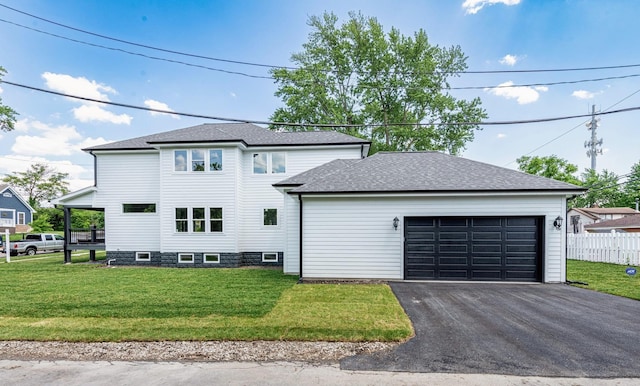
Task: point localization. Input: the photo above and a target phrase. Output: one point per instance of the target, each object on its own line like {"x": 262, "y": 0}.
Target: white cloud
{"x": 509, "y": 60}
{"x": 473, "y": 6}
{"x": 233, "y": 94}
{"x": 1, "y": 90}
{"x": 502, "y": 135}
{"x": 583, "y": 94}
{"x": 81, "y": 86}
{"x": 87, "y": 113}
{"x": 523, "y": 94}
{"x": 541, "y": 88}
{"x": 152, "y": 104}
{"x": 62, "y": 140}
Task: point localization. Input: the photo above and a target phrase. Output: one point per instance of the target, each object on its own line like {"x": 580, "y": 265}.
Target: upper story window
{"x": 197, "y": 160}
{"x": 269, "y": 163}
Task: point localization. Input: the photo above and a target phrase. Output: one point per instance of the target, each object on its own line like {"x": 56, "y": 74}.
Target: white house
{"x": 237, "y": 194}
{"x": 579, "y": 218}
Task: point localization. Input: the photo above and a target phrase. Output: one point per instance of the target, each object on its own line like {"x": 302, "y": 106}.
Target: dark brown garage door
{"x": 473, "y": 248}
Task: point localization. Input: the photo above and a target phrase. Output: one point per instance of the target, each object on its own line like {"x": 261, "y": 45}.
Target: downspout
{"x": 300, "y": 236}
{"x": 95, "y": 169}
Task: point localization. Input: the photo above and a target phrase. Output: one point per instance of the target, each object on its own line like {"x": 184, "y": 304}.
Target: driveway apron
{"x": 516, "y": 329}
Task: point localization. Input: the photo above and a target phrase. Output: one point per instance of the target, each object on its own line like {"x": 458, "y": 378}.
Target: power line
{"x": 320, "y": 125}
{"x": 575, "y": 127}
{"x": 272, "y": 78}
{"x": 272, "y": 66}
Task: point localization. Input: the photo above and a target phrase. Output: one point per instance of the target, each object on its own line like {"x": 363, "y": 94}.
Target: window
{"x": 197, "y": 160}
{"x": 185, "y": 258}
{"x": 138, "y": 208}
{"x": 182, "y": 221}
{"x": 211, "y": 258}
{"x": 215, "y": 218}
{"x": 215, "y": 160}
{"x": 260, "y": 163}
{"x": 21, "y": 218}
{"x": 270, "y": 217}
{"x": 198, "y": 219}
{"x": 277, "y": 163}
{"x": 143, "y": 256}
{"x": 48, "y": 237}
{"x": 58, "y": 237}
{"x": 180, "y": 160}
{"x": 274, "y": 163}
{"x": 269, "y": 257}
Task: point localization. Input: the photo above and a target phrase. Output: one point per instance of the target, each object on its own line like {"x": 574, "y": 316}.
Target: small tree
{"x": 604, "y": 190}
{"x": 42, "y": 224}
{"x": 39, "y": 183}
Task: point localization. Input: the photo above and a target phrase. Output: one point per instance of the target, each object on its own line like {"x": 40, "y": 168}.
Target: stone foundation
{"x": 170, "y": 259}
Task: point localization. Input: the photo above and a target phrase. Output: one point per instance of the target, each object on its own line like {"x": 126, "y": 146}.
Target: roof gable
{"x": 249, "y": 134}
{"x": 428, "y": 172}
{"x": 5, "y": 187}
{"x": 631, "y": 221}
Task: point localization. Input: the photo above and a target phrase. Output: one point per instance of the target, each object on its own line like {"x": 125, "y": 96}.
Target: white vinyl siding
{"x": 127, "y": 178}
{"x": 258, "y": 193}
{"x": 354, "y": 237}
{"x": 211, "y": 189}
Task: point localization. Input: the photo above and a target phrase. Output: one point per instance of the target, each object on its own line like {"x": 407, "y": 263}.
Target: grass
{"x": 46, "y": 300}
{"x": 604, "y": 277}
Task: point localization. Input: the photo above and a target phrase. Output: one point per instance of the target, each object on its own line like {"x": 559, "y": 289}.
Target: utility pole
{"x": 592, "y": 145}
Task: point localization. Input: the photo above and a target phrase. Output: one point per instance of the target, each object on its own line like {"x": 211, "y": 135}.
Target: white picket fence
{"x": 616, "y": 248}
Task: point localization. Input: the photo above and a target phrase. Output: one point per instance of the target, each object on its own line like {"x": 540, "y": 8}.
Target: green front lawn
{"x": 604, "y": 277}
{"x": 43, "y": 299}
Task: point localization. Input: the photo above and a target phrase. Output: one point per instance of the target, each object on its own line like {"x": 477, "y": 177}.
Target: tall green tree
{"x": 39, "y": 183}
{"x": 631, "y": 189}
{"x": 551, "y": 167}
{"x": 604, "y": 190}
{"x": 7, "y": 114}
{"x": 395, "y": 86}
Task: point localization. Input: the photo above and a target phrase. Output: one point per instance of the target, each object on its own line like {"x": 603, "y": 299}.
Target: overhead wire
{"x": 273, "y": 66}
{"x": 318, "y": 125}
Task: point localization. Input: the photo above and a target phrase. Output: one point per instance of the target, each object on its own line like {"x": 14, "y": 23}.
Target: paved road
{"x": 536, "y": 329}
{"x": 69, "y": 373}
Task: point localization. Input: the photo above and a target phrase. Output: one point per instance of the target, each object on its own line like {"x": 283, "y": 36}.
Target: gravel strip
{"x": 265, "y": 351}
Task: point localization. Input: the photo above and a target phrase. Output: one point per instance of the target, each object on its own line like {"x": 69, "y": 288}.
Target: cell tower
{"x": 593, "y": 146}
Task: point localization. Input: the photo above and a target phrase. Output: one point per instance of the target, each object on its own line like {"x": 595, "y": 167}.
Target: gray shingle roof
{"x": 630, "y": 221}
{"x": 321, "y": 171}
{"x": 250, "y": 134}
{"x": 426, "y": 172}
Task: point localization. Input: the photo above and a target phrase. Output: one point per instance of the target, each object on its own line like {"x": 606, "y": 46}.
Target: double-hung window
{"x": 198, "y": 220}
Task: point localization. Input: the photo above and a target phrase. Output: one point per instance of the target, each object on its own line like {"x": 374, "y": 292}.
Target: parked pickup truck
{"x": 32, "y": 243}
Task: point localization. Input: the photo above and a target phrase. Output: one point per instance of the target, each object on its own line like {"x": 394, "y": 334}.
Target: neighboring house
{"x": 313, "y": 202}
{"x": 15, "y": 211}
{"x": 579, "y": 218}
{"x": 626, "y": 224}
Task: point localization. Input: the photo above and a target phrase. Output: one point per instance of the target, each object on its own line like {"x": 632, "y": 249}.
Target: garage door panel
{"x": 475, "y": 248}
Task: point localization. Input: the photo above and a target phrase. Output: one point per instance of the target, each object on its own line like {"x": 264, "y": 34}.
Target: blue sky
{"x": 494, "y": 34}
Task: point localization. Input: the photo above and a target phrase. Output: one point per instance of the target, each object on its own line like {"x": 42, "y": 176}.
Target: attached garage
{"x": 424, "y": 216}
{"x": 473, "y": 248}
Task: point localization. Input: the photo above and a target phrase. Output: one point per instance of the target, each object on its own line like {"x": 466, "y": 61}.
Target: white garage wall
{"x": 349, "y": 237}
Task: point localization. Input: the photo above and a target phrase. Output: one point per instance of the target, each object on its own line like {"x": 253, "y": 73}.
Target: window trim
{"x": 180, "y": 261}
{"x": 24, "y": 218}
{"x": 269, "y": 165}
{"x": 264, "y": 260}
{"x": 277, "y": 224}
{"x": 139, "y": 258}
{"x": 189, "y": 220}
{"x": 204, "y": 258}
{"x": 155, "y": 207}
{"x": 207, "y": 160}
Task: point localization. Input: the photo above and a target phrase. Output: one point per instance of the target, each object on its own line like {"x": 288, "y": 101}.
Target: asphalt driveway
{"x": 517, "y": 329}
